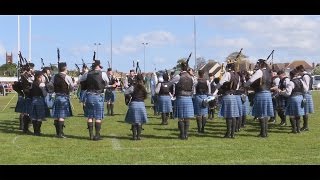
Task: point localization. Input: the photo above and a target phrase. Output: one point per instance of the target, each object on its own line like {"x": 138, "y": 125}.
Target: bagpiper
{"x": 96, "y": 81}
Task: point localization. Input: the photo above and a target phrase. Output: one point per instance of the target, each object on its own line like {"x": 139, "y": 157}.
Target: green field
{"x": 160, "y": 144}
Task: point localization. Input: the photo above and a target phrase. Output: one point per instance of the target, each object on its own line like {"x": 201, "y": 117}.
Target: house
{"x": 211, "y": 67}
{"x": 296, "y": 63}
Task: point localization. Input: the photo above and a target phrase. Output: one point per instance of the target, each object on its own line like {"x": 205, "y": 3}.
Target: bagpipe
{"x": 22, "y": 66}
{"x": 128, "y": 97}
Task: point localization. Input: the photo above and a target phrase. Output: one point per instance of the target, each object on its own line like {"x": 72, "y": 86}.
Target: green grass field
{"x": 160, "y": 144}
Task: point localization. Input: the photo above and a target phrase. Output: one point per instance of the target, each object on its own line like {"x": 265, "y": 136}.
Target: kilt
{"x": 309, "y": 108}
{"x": 198, "y": 109}
{"x": 61, "y": 107}
{"x": 110, "y": 96}
{"x": 39, "y": 110}
{"x": 164, "y": 104}
{"x": 94, "y": 106}
{"x": 28, "y": 105}
{"x": 294, "y": 106}
{"x": 281, "y": 102}
{"x": 136, "y": 113}
{"x": 82, "y": 96}
{"x": 20, "y": 106}
{"x": 262, "y": 105}
{"x": 229, "y": 107}
{"x": 184, "y": 107}
{"x": 246, "y": 107}
{"x": 239, "y": 103}
{"x": 49, "y": 100}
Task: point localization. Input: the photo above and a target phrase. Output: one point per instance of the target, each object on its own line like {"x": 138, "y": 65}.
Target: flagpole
{"x": 30, "y": 38}
{"x": 111, "y": 41}
{"x": 195, "y": 43}
{"x": 18, "y": 33}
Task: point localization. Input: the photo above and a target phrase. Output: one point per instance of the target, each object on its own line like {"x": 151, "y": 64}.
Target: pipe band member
{"x": 230, "y": 109}
{"x": 39, "y": 109}
{"x": 262, "y": 108}
{"x": 309, "y": 108}
{"x": 96, "y": 81}
{"x": 137, "y": 114}
{"x": 62, "y": 85}
{"x": 183, "y": 104}
{"x": 110, "y": 95}
{"x": 295, "y": 107}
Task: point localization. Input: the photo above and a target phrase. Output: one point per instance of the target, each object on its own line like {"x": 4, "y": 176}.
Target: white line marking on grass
{"x": 115, "y": 143}
{"x": 8, "y": 103}
{"x": 14, "y": 141}
{"x": 168, "y": 147}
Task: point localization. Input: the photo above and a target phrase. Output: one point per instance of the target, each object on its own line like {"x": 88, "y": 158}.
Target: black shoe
{"x": 304, "y": 129}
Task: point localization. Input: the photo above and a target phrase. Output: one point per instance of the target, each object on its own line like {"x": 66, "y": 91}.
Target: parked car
{"x": 316, "y": 82}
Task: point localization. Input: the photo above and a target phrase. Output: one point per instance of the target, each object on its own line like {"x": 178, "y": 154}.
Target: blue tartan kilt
{"x": 20, "y": 106}
{"x": 110, "y": 96}
{"x": 164, "y": 104}
{"x": 61, "y": 107}
{"x": 309, "y": 108}
{"x": 229, "y": 107}
{"x": 262, "y": 105}
{"x": 281, "y": 102}
{"x": 39, "y": 110}
{"x": 184, "y": 107}
{"x": 49, "y": 100}
{"x": 246, "y": 107}
{"x": 83, "y": 96}
{"x": 94, "y": 106}
{"x": 28, "y": 105}
{"x": 239, "y": 102}
{"x": 136, "y": 113}
{"x": 199, "y": 110}
{"x": 294, "y": 107}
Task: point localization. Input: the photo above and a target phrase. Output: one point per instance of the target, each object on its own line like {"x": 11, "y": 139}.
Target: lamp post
{"x": 97, "y": 44}
{"x": 144, "y": 56}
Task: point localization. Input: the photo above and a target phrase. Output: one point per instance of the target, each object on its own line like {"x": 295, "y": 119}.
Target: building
{"x": 9, "y": 58}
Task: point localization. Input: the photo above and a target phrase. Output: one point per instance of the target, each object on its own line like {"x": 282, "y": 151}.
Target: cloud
{"x": 292, "y": 36}
{"x": 230, "y": 42}
{"x": 131, "y": 44}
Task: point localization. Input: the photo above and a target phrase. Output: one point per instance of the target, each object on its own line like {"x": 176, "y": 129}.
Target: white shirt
{"x": 290, "y": 86}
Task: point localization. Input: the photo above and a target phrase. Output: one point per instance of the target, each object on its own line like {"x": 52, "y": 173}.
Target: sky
{"x": 169, "y": 38}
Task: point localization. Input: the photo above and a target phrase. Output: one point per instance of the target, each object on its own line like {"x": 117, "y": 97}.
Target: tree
{"x": 316, "y": 70}
{"x": 201, "y": 61}
{"x": 8, "y": 69}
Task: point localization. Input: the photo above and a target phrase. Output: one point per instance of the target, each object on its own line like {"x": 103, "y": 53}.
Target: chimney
{"x": 313, "y": 65}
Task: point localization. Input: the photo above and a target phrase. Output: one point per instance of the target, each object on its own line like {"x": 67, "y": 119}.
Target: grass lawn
{"x": 160, "y": 144}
